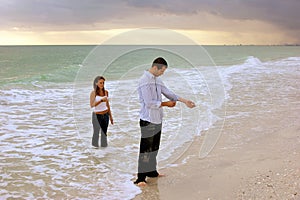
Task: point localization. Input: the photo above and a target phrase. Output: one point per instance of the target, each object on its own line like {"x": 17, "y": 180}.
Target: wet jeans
{"x": 100, "y": 124}
{"x": 149, "y": 146}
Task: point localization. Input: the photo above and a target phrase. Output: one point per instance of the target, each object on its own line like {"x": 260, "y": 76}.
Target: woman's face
{"x": 100, "y": 83}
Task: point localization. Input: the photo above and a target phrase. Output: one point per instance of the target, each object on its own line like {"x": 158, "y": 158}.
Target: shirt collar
{"x": 149, "y": 75}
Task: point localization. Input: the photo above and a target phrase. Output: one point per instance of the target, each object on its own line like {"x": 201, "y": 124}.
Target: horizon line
{"x": 6, "y": 45}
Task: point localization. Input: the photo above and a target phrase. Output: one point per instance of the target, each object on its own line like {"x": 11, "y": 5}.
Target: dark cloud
{"x": 281, "y": 13}
{"x": 96, "y": 14}
{"x": 51, "y": 13}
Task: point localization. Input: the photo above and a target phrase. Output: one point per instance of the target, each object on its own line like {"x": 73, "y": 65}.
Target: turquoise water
{"x": 231, "y": 55}
{"x": 45, "y": 117}
{"x": 61, "y": 63}
{"x": 40, "y": 63}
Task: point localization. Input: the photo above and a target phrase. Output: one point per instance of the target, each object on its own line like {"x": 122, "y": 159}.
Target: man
{"x": 150, "y": 90}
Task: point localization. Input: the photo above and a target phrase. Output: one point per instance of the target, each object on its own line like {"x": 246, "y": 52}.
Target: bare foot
{"x": 142, "y": 184}
{"x": 159, "y": 175}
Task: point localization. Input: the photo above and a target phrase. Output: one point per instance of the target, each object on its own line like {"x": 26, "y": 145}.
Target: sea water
{"x": 46, "y": 130}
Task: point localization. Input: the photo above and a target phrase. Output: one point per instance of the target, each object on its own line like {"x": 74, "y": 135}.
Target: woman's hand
{"x": 104, "y": 99}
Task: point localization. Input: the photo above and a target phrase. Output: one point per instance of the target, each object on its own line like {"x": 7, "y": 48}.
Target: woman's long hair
{"x": 96, "y": 88}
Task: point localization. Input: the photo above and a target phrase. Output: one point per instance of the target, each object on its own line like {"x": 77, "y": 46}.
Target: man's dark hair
{"x": 160, "y": 62}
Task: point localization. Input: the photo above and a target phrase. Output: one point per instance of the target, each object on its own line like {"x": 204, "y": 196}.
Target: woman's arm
{"x": 109, "y": 111}
{"x": 92, "y": 100}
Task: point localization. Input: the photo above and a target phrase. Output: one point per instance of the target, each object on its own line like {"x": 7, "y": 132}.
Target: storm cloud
{"x": 207, "y": 15}
{"x": 77, "y": 13}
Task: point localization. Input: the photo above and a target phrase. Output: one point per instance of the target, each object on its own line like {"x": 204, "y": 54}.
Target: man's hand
{"x": 190, "y": 104}
{"x": 187, "y": 102}
{"x": 168, "y": 103}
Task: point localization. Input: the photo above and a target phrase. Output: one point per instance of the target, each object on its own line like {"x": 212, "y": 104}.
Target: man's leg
{"x": 155, "y": 148}
{"x": 149, "y": 145}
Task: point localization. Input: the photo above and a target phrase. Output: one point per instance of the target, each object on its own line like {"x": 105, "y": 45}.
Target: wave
{"x": 65, "y": 74}
{"x": 255, "y": 65}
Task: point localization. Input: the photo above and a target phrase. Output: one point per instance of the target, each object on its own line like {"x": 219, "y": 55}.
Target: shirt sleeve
{"x": 168, "y": 93}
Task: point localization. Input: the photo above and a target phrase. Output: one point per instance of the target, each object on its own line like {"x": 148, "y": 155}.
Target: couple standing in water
{"x": 150, "y": 90}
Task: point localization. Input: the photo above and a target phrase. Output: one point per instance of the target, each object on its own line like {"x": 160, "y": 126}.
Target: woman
{"x": 101, "y": 113}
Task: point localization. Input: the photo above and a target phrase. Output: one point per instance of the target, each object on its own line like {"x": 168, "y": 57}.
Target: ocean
{"x": 46, "y": 130}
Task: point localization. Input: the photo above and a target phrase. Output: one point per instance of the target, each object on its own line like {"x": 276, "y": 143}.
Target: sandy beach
{"x": 265, "y": 168}
{"x": 240, "y": 166}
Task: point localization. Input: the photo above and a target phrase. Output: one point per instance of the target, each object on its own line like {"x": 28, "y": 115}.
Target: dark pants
{"x": 100, "y": 123}
{"x": 149, "y": 146}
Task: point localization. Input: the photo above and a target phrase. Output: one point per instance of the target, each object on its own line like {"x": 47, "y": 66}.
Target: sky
{"x": 207, "y": 22}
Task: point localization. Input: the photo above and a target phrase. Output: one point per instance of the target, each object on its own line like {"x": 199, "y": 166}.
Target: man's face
{"x": 159, "y": 72}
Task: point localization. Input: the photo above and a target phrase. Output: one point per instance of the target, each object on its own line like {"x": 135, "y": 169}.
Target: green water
{"x": 61, "y": 63}
{"x": 41, "y": 63}
{"x": 230, "y": 55}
